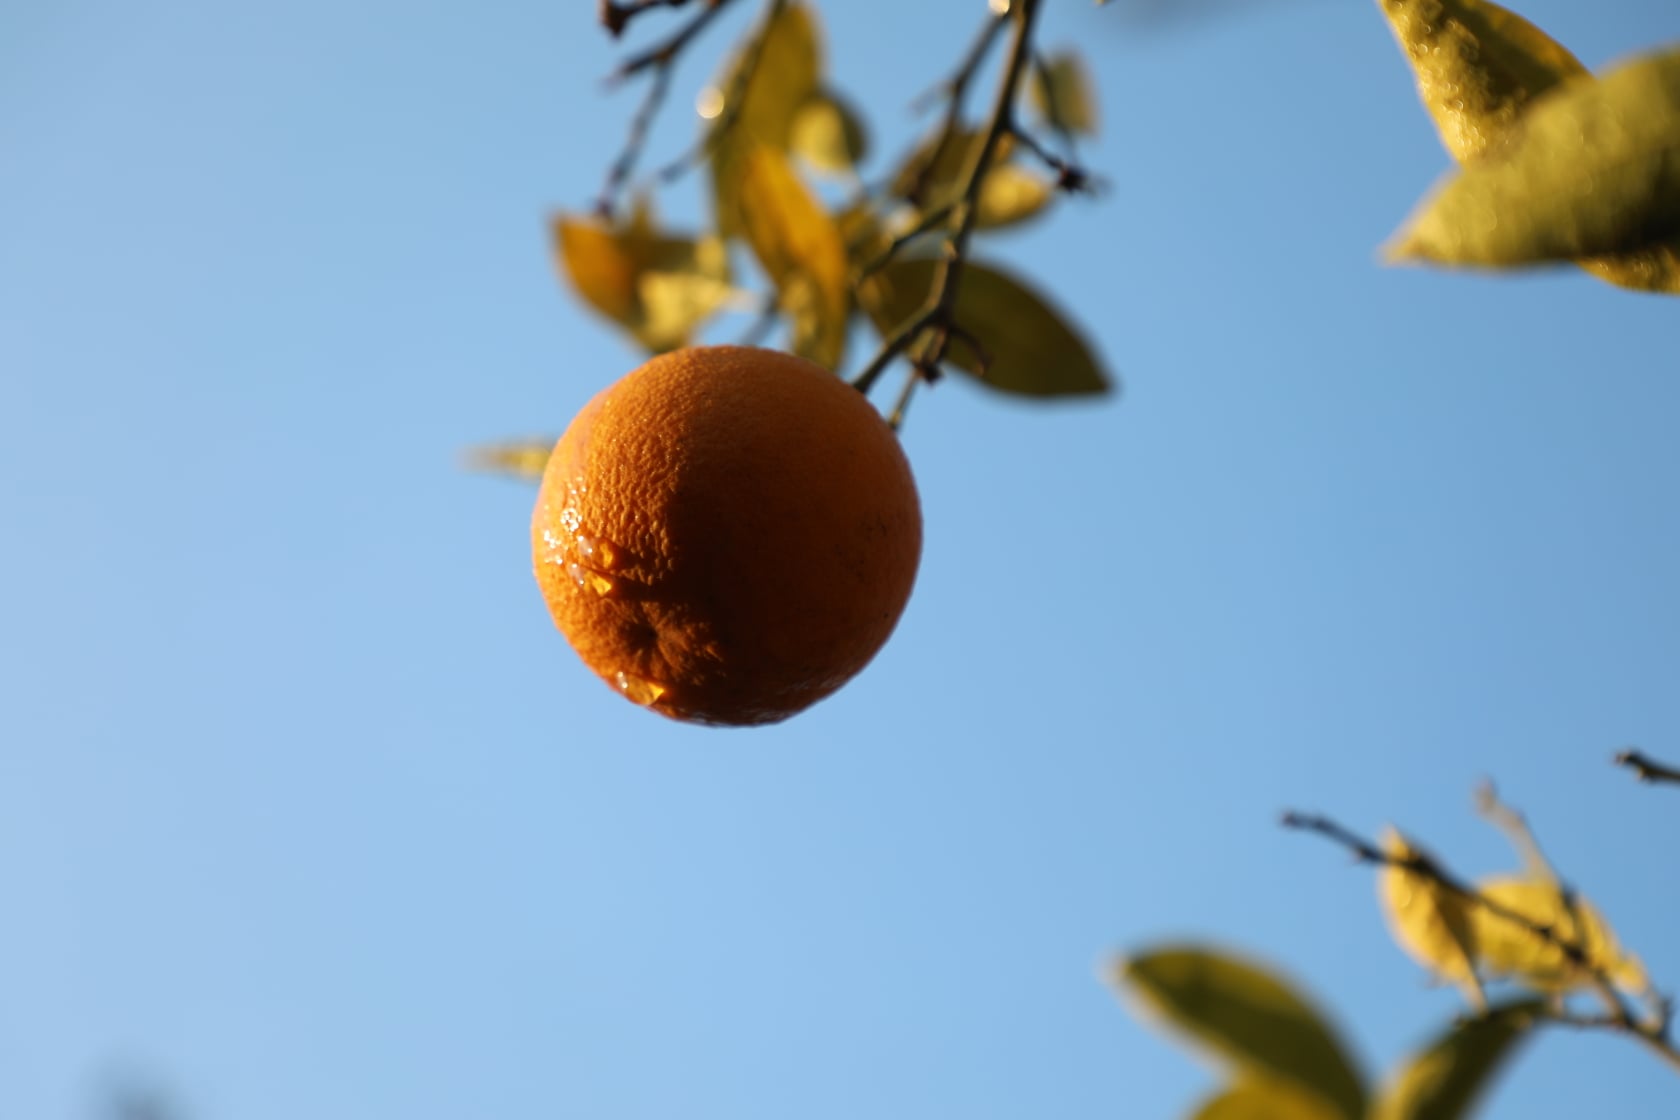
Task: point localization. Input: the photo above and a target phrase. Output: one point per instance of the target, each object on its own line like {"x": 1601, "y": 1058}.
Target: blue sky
{"x": 306, "y": 810}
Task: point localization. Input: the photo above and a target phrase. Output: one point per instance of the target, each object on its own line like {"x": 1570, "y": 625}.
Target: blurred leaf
{"x": 1262, "y": 1100}
{"x": 801, "y": 250}
{"x": 934, "y": 175}
{"x": 1507, "y": 949}
{"x": 1478, "y": 67}
{"x": 1444, "y": 1080}
{"x": 1249, "y": 1017}
{"x": 785, "y": 76}
{"x": 1063, "y": 95}
{"x": 1429, "y": 922}
{"x": 1032, "y": 349}
{"x": 658, "y": 287}
{"x": 524, "y": 458}
{"x": 828, "y": 134}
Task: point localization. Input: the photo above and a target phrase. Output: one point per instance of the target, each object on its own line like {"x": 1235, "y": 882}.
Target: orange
{"x": 727, "y": 534}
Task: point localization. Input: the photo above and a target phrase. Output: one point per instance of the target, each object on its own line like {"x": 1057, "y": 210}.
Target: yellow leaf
{"x": 1021, "y": 343}
{"x": 828, "y": 134}
{"x": 801, "y": 250}
{"x": 936, "y": 172}
{"x": 520, "y": 458}
{"x": 787, "y": 72}
{"x": 1063, "y": 95}
{"x": 1249, "y": 1017}
{"x": 657, "y": 287}
{"x": 1507, "y": 949}
{"x": 1010, "y": 194}
{"x": 1478, "y": 67}
{"x": 1428, "y": 921}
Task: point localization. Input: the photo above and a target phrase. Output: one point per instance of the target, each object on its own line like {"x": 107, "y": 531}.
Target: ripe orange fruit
{"x": 727, "y": 535}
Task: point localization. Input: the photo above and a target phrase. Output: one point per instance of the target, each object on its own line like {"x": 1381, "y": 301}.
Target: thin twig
{"x": 660, "y": 58}
{"x": 733, "y": 99}
{"x": 941, "y": 304}
{"x": 1653, "y": 1032}
{"x": 615, "y": 17}
{"x": 1648, "y": 769}
{"x": 954, "y": 90}
{"x": 1070, "y": 177}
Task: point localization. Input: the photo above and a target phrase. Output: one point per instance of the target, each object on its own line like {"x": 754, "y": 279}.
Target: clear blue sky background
{"x": 305, "y": 810}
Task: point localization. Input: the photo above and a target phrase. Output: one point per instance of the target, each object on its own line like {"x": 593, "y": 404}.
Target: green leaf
{"x": 1261, "y": 1100}
{"x": 1444, "y": 1080}
{"x": 1031, "y": 349}
{"x": 1249, "y": 1017}
{"x": 658, "y": 287}
{"x": 1063, "y": 95}
{"x": 935, "y": 174}
{"x": 1478, "y": 67}
{"x": 786, "y": 74}
{"x": 523, "y": 458}
{"x": 1593, "y": 169}
{"x": 802, "y": 252}
{"x": 829, "y": 135}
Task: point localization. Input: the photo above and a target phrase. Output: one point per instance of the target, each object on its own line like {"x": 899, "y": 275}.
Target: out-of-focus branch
{"x": 1646, "y": 768}
{"x": 660, "y": 58}
{"x": 615, "y": 17}
{"x": 935, "y": 321}
{"x": 733, "y": 98}
{"x": 1652, "y": 1031}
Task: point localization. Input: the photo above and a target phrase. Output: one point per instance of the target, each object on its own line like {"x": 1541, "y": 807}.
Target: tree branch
{"x": 1646, "y": 768}
{"x": 660, "y": 58}
{"x": 1653, "y": 1031}
{"x": 936, "y": 316}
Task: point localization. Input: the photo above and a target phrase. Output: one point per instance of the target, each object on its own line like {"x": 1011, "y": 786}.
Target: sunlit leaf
{"x": 1262, "y": 1100}
{"x": 1063, "y": 95}
{"x": 1478, "y": 68}
{"x": 519, "y": 458}
{"x": 658, "y": 287}
{"x": 828, "y": 134}
{"x": 1428, "y": 921}
{"x": 787, "y": 72}
{"x": 1031, "y": 348}
{"x": 1250, "y": 1018}
{"x": 1507, "y": 949}
{"x": 1445, "y": 1079}
{"x": 936, "y": 173}
{"x": 801, "y": 250}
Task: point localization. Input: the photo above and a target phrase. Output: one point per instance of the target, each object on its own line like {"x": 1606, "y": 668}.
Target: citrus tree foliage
{"x": 813, "y": 232}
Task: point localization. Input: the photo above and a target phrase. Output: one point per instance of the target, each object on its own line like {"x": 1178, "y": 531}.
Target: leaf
{"x": 1261, "y": 1100}
{"x": 1429, "y": 922}
{"x": 1593, "y": 169}
{"x": 786, "y": 73}
{"x": 525, "y": 458}
{"x": 658, "y": 287}
{"x": 1031, "y": 349}
{"x": 1445, "y": 1079}
{"x": 828, "y": 134}
{"x": 1507, "y": 949}
{"x": 1477, "y": 67}
{"x": 1249, "y": 1017}
{"x": 1063, "y": 95}
{"x": 801, "y": 250}
{"x": 936, "y": 173}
